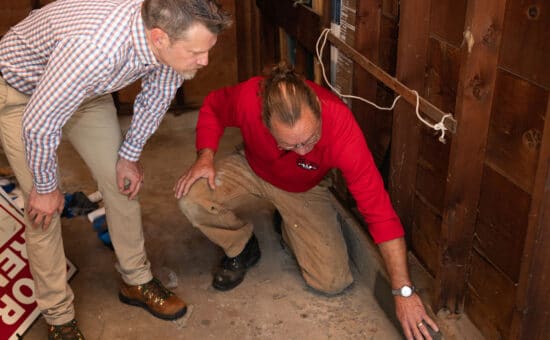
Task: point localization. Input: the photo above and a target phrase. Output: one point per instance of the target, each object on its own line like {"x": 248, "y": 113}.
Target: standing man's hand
{"x": 202, "y": 168}
{"x": 129, "y": 177}
{"x": 413, "y": 317}
{"x": 41, "y": 208}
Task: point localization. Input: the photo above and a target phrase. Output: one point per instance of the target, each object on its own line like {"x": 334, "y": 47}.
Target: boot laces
{"x": 155, "y": 291}
{"x": 68, "y": 331}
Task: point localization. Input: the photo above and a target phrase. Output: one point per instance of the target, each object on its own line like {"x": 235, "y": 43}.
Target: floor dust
{"x": 273, "y": 302}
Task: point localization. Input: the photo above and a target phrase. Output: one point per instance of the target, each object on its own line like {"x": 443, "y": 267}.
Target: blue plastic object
{"x": 106, "y": 239}
{"x": 8, "y": 187}
{"x": 77, "y": 204}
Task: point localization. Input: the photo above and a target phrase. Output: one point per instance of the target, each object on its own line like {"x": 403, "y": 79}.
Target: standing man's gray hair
{"x": 175, "y": 16}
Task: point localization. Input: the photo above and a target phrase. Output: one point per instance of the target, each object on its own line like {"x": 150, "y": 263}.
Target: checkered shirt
{"x": 72, "y": 50}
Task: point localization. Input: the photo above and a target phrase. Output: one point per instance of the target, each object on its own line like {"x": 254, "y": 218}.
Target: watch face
{"x": 406, "y": 291}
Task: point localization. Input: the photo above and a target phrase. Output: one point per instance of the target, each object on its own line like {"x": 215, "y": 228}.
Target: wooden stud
{"x": 531, "y": 319}
{"x": 302, "y": 60}
{"x": 473, "y": 109}
{"x": 248, "y": 39}
{"x": 367, "y": 41}
{"x": 323, "y": 9}
{"x": 411, "y": 58}
{"x": 270, "y": 53}
{"x": 300, "y": 21}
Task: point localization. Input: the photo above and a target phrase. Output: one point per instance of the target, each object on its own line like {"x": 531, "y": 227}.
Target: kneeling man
{"x": 294, "y": 132}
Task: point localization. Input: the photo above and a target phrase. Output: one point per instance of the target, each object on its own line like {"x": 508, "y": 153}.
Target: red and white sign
{"x": 18, "y": 308}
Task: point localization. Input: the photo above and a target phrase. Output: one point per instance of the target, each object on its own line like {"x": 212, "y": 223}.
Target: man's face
{"x": 186, "y": 55}
{"x": 300, "y": 138}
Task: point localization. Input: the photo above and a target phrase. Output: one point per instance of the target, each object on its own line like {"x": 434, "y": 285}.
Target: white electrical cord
{"x": 440, "y": 126}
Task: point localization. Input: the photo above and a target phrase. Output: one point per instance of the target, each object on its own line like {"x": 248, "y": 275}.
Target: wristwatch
{"x": 404, "y": 291}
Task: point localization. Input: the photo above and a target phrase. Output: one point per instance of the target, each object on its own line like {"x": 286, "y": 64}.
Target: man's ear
{"x": 318, "y": 104}
{"x": 159, "y": 38}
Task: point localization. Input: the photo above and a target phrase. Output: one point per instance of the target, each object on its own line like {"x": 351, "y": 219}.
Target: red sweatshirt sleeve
{"x": 221, "y": 108}
{"x": 364, "y": 181}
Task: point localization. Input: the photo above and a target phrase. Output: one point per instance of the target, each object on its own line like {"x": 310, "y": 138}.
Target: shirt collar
{"x": 143, "y": 52}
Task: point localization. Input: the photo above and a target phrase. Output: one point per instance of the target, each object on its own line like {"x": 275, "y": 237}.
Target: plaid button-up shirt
{"x": 72, "y": 50}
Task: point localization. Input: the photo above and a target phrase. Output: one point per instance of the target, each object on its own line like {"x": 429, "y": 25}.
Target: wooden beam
{"x": 411, "y": 60}
{"x": 270, "y": 53}
{"x": 322, "y": 8}
{"x": 303, "y": 57}
{"x": 367, "y": 43}
{"x": 531, "y": 319}
{"x": 479, "y": 61}
{"x": 425, "y": 106}
{"x": 300, "y": 22}
{"x": 248, "y": 39}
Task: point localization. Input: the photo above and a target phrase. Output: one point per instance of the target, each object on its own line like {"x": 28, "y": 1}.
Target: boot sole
{"x": 138, "y": 303}
{"x": 225, "y": 288}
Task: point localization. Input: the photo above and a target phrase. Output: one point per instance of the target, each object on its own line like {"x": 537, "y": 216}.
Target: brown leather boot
{"x": 155, "y": 298}
{"x": 67, "y": 331}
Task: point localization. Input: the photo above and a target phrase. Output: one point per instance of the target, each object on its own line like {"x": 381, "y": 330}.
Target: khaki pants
{"x": 95, "y": 133}
{"x": 310, "y": 226}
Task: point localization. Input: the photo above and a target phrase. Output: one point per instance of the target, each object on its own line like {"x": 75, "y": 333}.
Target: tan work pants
{"x": 310, "y": 226}
{"x": 95, "y": 133}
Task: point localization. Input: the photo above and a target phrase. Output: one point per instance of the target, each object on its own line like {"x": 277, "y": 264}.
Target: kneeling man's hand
{"x": 202, "y": 168}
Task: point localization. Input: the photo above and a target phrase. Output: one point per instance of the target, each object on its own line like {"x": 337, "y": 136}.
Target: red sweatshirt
{"x": 341, "y": 146}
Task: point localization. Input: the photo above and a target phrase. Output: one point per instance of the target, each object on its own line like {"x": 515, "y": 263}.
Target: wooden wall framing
{"x": 476, "y": 208}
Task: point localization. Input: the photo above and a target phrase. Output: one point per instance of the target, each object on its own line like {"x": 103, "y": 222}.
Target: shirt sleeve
{"x": 365, "y": 183}
{"x": 220, "y": 109}
{"x": 72, "y": 67}
{"x": 150, "y": 106}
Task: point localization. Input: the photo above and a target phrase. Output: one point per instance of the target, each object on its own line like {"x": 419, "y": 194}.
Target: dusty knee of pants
{"x": 330, "y": 284}
{"x": 189, "y": 207}
{"x": 200, "y": 210}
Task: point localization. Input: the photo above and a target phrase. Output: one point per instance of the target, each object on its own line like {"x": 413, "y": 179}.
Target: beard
{"x": 188, "y": 75}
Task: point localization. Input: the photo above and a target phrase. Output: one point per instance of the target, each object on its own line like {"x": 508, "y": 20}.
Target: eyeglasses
{"x": 308, "y": 143}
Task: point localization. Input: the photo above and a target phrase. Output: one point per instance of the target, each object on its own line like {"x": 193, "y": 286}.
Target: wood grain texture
{"x": 473, "y": 109}
{"x": 501, "y": 222}
{"x": 301, "y": 22}
{"x": 532, "y": 312}
{"x": 490, "y": 299}
{"x": 515, "y": 132}
{"x": 447, "y": 20}
{"x": 247, "y": 22}
{"x": 12, "y": 12}
{"x": 525, "y": 41}
{"x": 411, "y": 58}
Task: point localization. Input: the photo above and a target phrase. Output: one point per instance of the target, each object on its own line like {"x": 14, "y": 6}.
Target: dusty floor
{"x": 272, "y": 303}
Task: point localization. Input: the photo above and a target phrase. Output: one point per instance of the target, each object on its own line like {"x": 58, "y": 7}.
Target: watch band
{"x": 403, "y": 290}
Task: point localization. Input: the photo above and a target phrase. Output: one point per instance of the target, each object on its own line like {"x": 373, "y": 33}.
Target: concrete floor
{"x": 272, "y": 303}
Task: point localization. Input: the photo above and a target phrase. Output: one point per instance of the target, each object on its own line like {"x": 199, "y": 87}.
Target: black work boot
{"x": 278, "y": 227}
{"x": 232, "y": 269}
{"x": 277, "y": 222}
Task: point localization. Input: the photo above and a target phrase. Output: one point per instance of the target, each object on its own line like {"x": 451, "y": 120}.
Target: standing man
{"x": 58, "y": 67}
{"x": 294, "y": 132}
